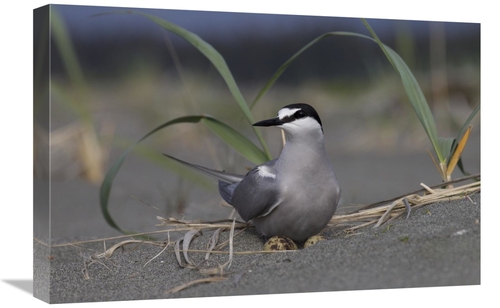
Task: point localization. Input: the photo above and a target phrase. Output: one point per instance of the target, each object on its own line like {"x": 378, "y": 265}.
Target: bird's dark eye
{"x": 300, "y": 114}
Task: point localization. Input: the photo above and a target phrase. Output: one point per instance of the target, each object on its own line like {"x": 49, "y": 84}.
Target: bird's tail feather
{"x": 220, "y": 175}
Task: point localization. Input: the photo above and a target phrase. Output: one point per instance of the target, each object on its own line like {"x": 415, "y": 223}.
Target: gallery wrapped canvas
{"x": 389, "y": 108}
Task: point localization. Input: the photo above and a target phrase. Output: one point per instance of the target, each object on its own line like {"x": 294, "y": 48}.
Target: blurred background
{"x": 115, "y": 77}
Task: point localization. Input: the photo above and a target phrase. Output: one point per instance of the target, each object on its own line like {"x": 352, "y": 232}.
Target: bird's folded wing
{"x": 255, "y": 195}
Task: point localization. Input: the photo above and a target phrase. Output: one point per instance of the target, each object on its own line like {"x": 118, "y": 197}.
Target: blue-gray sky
{"x": 229, "y": 25}
{"x": 253, "y": 44}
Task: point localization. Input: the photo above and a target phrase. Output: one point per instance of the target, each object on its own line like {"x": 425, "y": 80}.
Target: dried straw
{"x": 383, "y": 213}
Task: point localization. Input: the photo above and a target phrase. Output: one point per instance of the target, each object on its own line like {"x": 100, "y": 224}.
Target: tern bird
{"x": 295, "y": 195}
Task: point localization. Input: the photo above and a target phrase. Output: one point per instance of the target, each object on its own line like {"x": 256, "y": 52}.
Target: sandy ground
{"x": 439, "y": 245}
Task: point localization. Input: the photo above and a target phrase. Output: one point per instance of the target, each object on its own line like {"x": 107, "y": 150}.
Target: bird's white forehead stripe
{"x": 286, "y": 112}
{"x": 264, "y": 171}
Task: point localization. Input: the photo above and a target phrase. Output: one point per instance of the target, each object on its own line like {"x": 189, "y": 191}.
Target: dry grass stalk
{"x": 195, "y": 282}
{"x": 447, "y": 183}
{"x": 162, "y": 251}
{"x": 246, "y": 252}
{"x": 219, "y": 270}
{"x": 108, "y": 252}
{"x": 190, "y": 224}
{"x": 213, "y": 241}
{"x": 427, "y": 188}
{"x": 75, "y": 149}
{"x": 231, "y": 239}
{"x": 223, "y": 244}
{"x": 388, "y": 212}
{"x": 383, "y": 218}
{"x": 186, "y": 241}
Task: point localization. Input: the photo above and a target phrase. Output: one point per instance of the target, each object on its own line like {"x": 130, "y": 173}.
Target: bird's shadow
{"x": 23, "y": 284}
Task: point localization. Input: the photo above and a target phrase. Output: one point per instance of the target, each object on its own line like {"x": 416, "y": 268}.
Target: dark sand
{"x": 439, "y": 245}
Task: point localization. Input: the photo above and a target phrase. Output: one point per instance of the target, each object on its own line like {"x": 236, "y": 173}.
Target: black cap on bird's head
{"x": 293, "y": 113}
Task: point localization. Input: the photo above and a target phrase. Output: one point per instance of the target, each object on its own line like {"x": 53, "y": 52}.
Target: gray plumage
{"x": 294, "y": 195}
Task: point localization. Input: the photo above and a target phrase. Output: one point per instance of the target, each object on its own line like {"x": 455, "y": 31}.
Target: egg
{"x": 279, "y": 243}
{"x": 313, "y": 240}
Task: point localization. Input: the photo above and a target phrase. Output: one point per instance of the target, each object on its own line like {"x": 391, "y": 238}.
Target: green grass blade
{"x": 69, "y": 58}
{"x": 445, "y": 146}
{"x": 379, "y": 42}
{"x": 107, "y": 183}
{"x": 105, "y": 191}
{"x": 228, "y": 134}
{"x": 418, "y": 101}
{"x": 219, "y": 63}
{"x": 460, "y": 166}
{"x": 414, "y": 93}
{"x": 239, "y": 142}
{"x": 283, "y": 67}
{"x": 152, "y": 155}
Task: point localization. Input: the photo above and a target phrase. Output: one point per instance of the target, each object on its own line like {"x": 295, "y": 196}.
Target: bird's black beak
{"x": 270, "y": 122}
